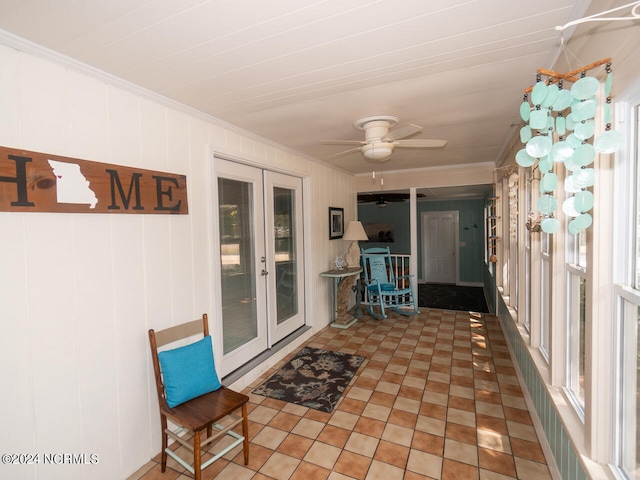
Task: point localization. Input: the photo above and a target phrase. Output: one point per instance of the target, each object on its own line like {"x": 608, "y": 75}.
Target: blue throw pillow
{"x": 188, "y": 372}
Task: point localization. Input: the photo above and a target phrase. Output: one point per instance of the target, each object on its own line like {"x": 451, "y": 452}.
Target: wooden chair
{"x": 385, "y": 289}
{"x": 215, "y": 412}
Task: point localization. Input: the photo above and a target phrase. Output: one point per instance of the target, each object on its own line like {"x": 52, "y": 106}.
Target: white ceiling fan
{"x": 379, "y": 141}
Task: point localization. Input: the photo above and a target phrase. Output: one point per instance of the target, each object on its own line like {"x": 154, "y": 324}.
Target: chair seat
{"x": 202, "y": 411}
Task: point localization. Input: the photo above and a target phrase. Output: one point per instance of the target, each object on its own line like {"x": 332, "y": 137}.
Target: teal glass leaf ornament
{"x": 585, "y": 129}
{"x": 525, "y": 134}
{"x": 551, "y": 96}
{"x": 583, "y": 221}
{"x": 584, "y": 177}
{"x": 609, "y": 141}
{"x": 561, "y": 125}
{"x": 608, "y": 83}
{"x": 546, "y": 204}
{"x": 570, "y": 122}
{"x": 525, "y": 111}
{"x": 545, "y": 164}
{"x": 584, "y": 155}
{"x": 573, "y": 228}
{"x": 538, "y": 119}
{"x": 569, "y": 208}
{"x": 550, "y": 225}
{"x": 585, "y": 88}
{"x": 563, "y": 101}
{"x": 524, "y": 159}
{"x": 538, "y": 93}
{"x": 548, "y": 183}
{"x": 574, "y": 141}
{"x": 561, "y": 151}
{"x": 571, "y": 164}
{"x": 583, "y": 201}
{"x": 584, "y": 110}
{"x": 607, "y": 113}
{"x": 539, "y": 146}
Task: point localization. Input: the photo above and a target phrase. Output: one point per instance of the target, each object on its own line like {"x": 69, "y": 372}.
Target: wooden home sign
{"x": 40, "y": 182}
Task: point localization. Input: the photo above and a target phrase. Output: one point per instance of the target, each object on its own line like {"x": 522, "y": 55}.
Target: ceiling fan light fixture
{"x": 378, "y": 151}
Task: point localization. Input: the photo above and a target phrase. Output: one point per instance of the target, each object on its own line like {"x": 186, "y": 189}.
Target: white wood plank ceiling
{"x": 302, "y": 71}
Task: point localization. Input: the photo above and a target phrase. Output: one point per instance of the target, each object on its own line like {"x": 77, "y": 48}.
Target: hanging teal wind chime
{"x": 559, "y": 127}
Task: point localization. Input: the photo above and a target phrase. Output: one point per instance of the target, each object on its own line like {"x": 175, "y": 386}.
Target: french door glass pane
{"x": 577, "y": 353}
{"x": 239, "y": 312}
{"x": 630, "y": 394}
{"x": 284, "y": 202}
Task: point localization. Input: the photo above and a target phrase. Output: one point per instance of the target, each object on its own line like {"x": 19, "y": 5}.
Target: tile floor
{"x": 437, "y": 398}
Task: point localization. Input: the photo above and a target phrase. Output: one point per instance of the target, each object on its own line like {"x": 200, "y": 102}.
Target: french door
{"x": 261, "y": 260}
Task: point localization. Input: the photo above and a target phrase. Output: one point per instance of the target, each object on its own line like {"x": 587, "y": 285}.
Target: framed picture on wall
{"x": 336, "y": 222}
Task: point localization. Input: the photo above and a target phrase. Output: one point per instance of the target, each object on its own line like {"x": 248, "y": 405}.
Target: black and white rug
{"x": 314, "y": 378}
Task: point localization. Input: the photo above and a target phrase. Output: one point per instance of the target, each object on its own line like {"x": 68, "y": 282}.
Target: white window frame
{"x": 626, "y": 291}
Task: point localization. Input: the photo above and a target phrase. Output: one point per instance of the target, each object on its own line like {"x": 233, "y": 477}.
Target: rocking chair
{"x": 385, "y": 289}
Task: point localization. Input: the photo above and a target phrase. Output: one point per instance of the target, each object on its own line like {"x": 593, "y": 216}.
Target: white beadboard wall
{"x": 78, "y": 292}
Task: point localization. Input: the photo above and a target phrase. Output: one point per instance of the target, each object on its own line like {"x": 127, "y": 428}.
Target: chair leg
{"x": 163, "y": 455}
{"x": 197, "y": 459}
{"x": 245, "y": 433}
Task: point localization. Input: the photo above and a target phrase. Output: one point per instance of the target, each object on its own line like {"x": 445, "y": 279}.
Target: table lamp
{"x": 354, "y": 232}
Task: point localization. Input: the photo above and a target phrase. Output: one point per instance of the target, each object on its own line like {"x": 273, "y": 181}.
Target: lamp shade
{"x": 355, "y": 231}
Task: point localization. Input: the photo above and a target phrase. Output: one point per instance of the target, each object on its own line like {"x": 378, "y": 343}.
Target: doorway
{"x": 439, "y": 232}
{"x": 261, "y": 259}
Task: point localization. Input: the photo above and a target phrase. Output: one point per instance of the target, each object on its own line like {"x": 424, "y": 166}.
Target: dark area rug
{"x": 314, "y": 378}
{"x": 452, "y": 297}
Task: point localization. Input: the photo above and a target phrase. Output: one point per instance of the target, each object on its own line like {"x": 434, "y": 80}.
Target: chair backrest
{"x": 377, "y": 265}
{"x": 170, "y": 335}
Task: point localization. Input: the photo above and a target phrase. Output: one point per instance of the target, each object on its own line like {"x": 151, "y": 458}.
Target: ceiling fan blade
{"x": 421, "y": 143}
{"x": 345, "y": 152}
{"x": 402, "y": 132}
{"x": 342, "y": 142}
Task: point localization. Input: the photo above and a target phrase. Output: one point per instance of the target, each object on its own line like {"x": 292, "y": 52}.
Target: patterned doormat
{"x": 314, "y": 378}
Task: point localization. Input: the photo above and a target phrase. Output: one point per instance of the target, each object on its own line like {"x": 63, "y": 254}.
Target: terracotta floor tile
{"x": 309, "y": 471}
{"x": 370, "y": 426}
{"x": 404, "y": 419}
{"x": 336, "y": 436}
{"x": 380, "y": 398}
{"x": 517, "y": 415}
{"x": 294, "y": 446}
{"x": 461, "y": 433}
{"x": 528, "y": 450}
{"x": 462, "y": 403}
{"x": 493, "y": 424}
{"x": 284, "y": 421}
{"x": 452, "y": 470}
{"x": 352, "y": 465}
{"x": 496, "y": 462}
{"x": 392, "y": 453}
{"x": 429, "y": 443}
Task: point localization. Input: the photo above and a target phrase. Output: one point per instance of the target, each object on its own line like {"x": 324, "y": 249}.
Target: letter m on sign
{"x": 134, "y": 187}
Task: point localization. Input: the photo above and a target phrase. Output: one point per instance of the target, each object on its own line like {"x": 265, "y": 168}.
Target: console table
{"x": 343, "y": 281}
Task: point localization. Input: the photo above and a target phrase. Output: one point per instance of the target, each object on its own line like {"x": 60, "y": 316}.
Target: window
{"x": 545, "y": 294}
{"x": 576, "y": 301}
{"x": 627, "y": 307}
